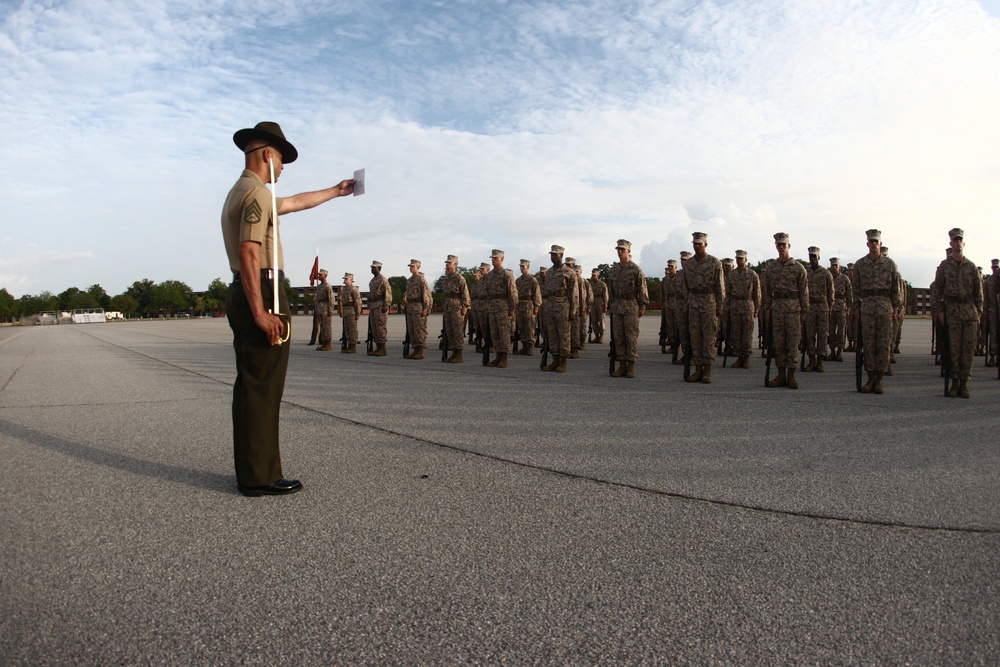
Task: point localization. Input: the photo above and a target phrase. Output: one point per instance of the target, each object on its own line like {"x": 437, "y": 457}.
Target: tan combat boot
{"x": 379, "y": 350}
{"x": 879, "y": 388}
{"x": 870, "y": 385}
{"x": 706, "y": 376}
{"x": 529, "y": 350}
{"x": 779, "y": 380}
{"x": 553, "y": 365}
{"x": 561, "y": 367}
{"x": 619, "y": 370}
{"x": 819, "y": 364}
{"x": 696, "y": 376}
{"x": 456, "y": 357}
{"x": 326, "y": 347}
{"x": 888, "y": 371}
{"x": 790, "y": 380}
{"x": 418, "y": 353}
{"x": 574, "y": 354}
{"x": 811, "y": 366}
{"x": 502, "y": 360}
{"x": 630, "y": 369}
{"x": 746, "y": 361}
{"x": 494, "y": 361}
{"x": 963, "y": 389}
{"x": 352, "y": 348}
{"x": 838, "y": 357}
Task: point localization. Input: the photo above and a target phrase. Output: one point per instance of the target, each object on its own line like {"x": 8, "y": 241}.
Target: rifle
{"x": 944, "y": 336}
{"x": 770, "y": 350}
{"x": 612, "y": 349}
{"x": 545, "y": 353}
{"x": 729, "y": 332}
{"x": 687, "y": 358}
{"x": 487, "y": 343}
{"x": 663, "y": 329}
{"x": 590, "y": 330}
{"x": 444, "y": 343}
{"x": 804, "y": 345}
{"x": 406, "y": 341}
{"x": 859, "y": 353}
{"x": 370, "y": 341}
{"x": 517, "y": 338}
{"x": 470, "y": 326}
{"x": 343, "y": 341}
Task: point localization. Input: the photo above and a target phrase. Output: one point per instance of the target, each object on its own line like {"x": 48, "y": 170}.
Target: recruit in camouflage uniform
{"x": 990, "y": 297}
{"x": 600, "y": 305}
{"x": 558, "y": 306}
{"x": 418, "y": 302}
{"x": 629, "y": 300}
{"x": 843, "y": 302}
{"x": 959, "y": 292}
{"x": 379, "y": 300}
{"x": 349, "y": 307}
{"x": 668, "y": 302}
{"x": 529, "y": 299}
{"x": 480, "y": 318}
{"x": 586, "y": 303}
{"x": 897, "y": 321}
{"x": 725, "y": 329}
{"x": 456, "y": 304}
{"x": 876, "y": 290}
{"x": 578, "y": 306}
{"x": 821, "y": 297}
{"x": 706, "y": 293}
{"x": 851, "y": 331}
{"x": 682, "y": 307}
{"x": 541, "y": 309}
{"x": 501, "y": 299}
{"x": 323, "y": 301}
{"x": 786, "y": 302}
{"x": 743, "y": 298}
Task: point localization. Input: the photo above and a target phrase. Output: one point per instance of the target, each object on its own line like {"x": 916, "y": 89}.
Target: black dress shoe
{"x": 280, "y": 488}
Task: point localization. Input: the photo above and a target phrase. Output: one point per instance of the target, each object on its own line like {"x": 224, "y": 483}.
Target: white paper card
{"x": 359, "y": 182}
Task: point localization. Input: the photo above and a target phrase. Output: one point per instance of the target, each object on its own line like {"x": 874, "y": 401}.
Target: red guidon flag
{"x": 314, "y": 274}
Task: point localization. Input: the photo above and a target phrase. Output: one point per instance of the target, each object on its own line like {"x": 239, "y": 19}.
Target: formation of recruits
{"x": 811, "y": 311}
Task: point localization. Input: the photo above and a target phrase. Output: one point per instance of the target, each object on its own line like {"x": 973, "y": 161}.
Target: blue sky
{"x": 511, "y": 125}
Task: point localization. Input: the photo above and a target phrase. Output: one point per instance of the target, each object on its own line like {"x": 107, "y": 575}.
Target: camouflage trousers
{"x": 499, "y": 322}
{"x": 670, "y": 321}
{"x": 741, "y": 329}
{"x": 454, "y": 325}
{"x": 597, "y": 320}
{"x": 625, "y": 330}
{"x": 963, "y": 334}
{"x": 557, "y": 327}
{"x": 851, "y": 330}
{"x": 526, "y": 322}
{"x": 838, "y": 328}
{"x": 416, "y": 324}
{"x": 993, "y": 326}
{"x": 817, "y": 328}
{"x": 325, "y": 329}
{"x": 703, "y": 328}
{"x": 787, "y": 329}
{"x": 480, "y": 318}
{"x": 350, "y": 326}
{"x": 876, "y": 328}
{"x": 582, "y": 320}
{"x": 377, "y": 321}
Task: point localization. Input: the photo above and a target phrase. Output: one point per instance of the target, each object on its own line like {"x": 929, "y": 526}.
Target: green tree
{"x": 605, "y": 271}
{"x": 398, "y": 285}
{"x": 100, "y": 296}
{"x": 30, "y": 305}
{"x": 8, "y": 305}
{"x": 125, "y": 304}
{"x": 171, "y": 296}
{"x": 142, "y": 292}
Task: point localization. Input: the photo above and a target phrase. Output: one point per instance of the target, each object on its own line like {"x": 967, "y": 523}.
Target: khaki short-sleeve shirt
{"x": 246, "y": 216}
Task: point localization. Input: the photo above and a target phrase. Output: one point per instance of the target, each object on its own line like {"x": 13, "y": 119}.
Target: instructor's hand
{"x": 272, "y": 326}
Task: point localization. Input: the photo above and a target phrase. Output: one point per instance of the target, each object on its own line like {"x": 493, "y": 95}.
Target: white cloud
{"x": 512, "y": 125}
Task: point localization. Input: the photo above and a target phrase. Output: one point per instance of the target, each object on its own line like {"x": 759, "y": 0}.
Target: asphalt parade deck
{"x": 464, "y": 514}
